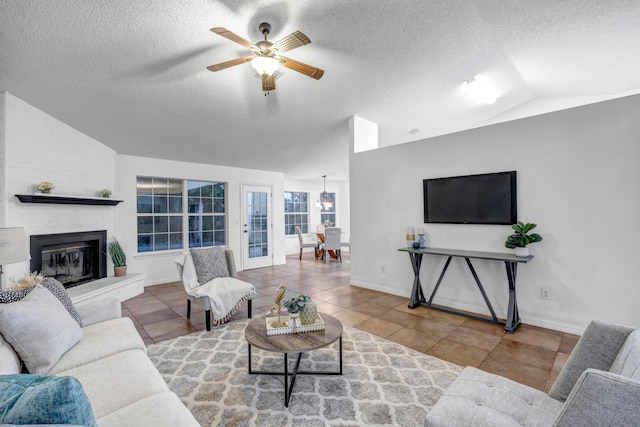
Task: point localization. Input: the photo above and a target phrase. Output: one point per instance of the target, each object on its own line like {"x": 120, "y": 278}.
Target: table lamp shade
{"x": 13, "y": 246}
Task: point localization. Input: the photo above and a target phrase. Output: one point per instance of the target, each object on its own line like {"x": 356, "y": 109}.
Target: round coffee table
{"x": 256, "y": 335}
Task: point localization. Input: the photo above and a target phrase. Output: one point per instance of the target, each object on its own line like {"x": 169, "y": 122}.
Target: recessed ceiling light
{"x": 480, "y": 89}
{"x": 415, "y": 130}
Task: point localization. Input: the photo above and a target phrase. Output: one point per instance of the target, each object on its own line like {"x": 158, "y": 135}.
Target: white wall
{"x": 38, "y": 147}
{"x": 578, "y": 175}
{"x": 314, "y": 188}
{"x": 159, "y": 267}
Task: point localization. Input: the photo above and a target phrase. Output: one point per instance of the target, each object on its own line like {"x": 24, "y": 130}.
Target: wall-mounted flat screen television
{"x": 489, "y": 198}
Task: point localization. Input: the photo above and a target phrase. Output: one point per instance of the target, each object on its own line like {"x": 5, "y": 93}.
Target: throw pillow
{"x": 39, "y": 329}
{"x": 210, "y": 263}
{"x": 55, "y": 287}
{"x": 13, "y": 295}
{"x": 39, "y": 399}
{"x": 59, "y": 291}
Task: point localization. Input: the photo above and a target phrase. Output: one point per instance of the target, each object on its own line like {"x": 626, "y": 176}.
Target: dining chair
{"x": 332, "y": 242}
{"x": 304, "y": 244}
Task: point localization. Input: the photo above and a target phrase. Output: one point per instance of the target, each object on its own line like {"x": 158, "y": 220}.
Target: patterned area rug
{"x": 383, "y": 383}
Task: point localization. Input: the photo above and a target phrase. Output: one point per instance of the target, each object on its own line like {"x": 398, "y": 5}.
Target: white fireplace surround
{"x": 111, "y": 287}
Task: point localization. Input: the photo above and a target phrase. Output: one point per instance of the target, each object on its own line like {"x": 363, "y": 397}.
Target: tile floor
{"x": 531, "y": 355}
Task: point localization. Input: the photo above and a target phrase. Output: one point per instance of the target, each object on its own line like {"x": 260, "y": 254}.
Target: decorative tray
{"x": 292, "y": 329}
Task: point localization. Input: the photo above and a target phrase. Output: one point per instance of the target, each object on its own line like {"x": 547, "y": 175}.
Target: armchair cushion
{"x": 210, "y": 263}
{"x": 601, "y": 399}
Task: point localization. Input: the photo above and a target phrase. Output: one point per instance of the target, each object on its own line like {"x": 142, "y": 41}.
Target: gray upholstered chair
{"x": 221, "y": 295}
{"x": 598, "y": 386}
{"x": 304, "y": 244}
{"x": 332, "y": 242}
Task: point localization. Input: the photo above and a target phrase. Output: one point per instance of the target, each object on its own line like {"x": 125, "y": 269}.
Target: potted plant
{"x": 304, "y": 307}
{"x": 521, "y": 238}
{"x": 105, "y": 192}
{"x": 45, "y": 187}
{"x": 118, "y": 258}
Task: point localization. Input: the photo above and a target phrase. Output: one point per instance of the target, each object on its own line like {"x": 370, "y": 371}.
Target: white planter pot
{"x": 523, "y": 252}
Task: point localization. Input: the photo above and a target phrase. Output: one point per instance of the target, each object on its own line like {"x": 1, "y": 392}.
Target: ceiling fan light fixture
{"x": 265, "y": 65}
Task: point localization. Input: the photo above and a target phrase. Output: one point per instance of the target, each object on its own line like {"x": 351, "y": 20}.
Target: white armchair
{"x": 219, "y": 292}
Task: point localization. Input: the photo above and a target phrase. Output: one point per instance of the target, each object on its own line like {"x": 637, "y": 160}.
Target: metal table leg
{"x": 513, "y": 317}
{"x": 417, "y": 296}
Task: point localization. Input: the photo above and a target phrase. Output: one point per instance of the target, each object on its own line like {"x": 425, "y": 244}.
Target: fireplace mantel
{"x": 67, "y": 200}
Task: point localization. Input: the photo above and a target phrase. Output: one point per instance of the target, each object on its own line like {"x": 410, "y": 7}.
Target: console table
{"x": 510, "y": 261}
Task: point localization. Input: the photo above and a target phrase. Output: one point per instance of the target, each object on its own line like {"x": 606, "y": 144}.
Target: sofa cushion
{"x": 210, "y": 263}
{"x": 39, "y": 329}
{"x": 477, "y": 398}
{"x": 627, "y": 363}
{"x": 38, "y": 399}
{"x": 119, "y": 380}
{"x": 163, "y": 409}
{"x": 101, "y": 340}
{"x": 9, "y": 360}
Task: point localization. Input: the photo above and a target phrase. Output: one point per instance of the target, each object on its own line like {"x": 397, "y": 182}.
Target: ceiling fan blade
{"x": 303, "y": 68}
{"x": 290, "y": 42}
{"x": 268, "y": 84}
{"x": 221, "y": 31}
{"x": 227, "y": 64}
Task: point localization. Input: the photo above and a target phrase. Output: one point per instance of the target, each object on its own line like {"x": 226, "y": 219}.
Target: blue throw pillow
{"x": 40, "y": 399}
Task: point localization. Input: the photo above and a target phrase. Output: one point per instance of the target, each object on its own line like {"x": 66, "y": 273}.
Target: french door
{"x": 257, "y": 247}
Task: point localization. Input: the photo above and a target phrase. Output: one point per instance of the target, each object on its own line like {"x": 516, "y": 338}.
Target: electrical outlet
{"x": 546, "y": 293}
{"x": 383, "y": 268}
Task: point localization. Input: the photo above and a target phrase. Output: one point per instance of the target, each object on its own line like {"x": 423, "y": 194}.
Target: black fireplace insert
{"x": 70, "y": 258}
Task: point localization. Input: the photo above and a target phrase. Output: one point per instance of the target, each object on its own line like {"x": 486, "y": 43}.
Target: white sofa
{"x": 110, "y": 361}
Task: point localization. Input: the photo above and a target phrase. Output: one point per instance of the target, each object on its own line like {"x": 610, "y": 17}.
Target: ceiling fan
{"x": 266, "y": 58}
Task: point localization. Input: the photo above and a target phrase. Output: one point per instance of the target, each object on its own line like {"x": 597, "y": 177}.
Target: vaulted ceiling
{"x": 132, "y": 74}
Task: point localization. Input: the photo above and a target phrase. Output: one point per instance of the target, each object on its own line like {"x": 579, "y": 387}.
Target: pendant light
{"x": 326, "y": 203}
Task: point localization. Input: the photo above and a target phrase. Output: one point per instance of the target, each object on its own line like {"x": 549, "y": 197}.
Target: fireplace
{"x": 71, "y": 258}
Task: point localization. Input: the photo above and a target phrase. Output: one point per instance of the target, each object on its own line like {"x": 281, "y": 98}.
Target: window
{"x": 328, "y": 214}
{"x": 206, "y": 214}
{"x": 295, "y": 212}
{"x": 171, "y": 212}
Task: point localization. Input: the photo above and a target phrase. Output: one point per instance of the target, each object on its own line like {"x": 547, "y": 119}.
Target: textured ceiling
{"x": 132, "y": 74}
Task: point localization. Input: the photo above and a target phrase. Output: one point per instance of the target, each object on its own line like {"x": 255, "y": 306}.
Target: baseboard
{"x": 529, "y": 320}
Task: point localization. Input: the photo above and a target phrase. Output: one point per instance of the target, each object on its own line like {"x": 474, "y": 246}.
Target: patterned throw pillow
{"x": 210, "y": 263}
{"x": 13, "y": 295}
{"x": 53, "y": 286}
{"x": 58, "y": 289}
